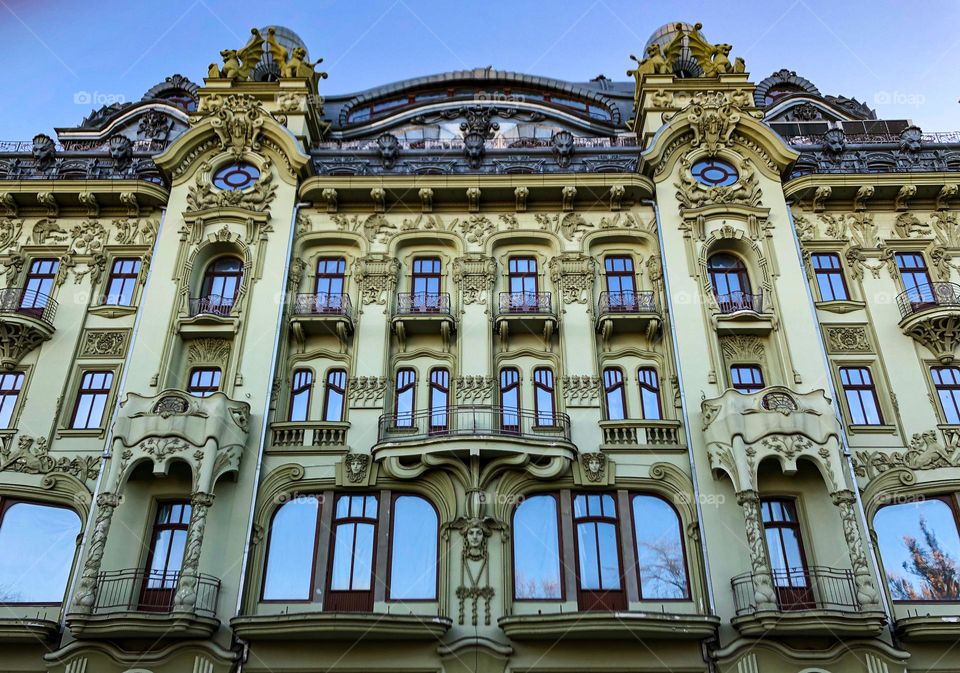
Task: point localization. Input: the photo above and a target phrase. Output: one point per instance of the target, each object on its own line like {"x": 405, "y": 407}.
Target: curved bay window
{"x": 947, "y": 382}
{"x": 404, "y": 398}
{"x": 649, "y": 394}
{"x": 221, "y": 283}
{"x": 661, "y": 558}
{"x": 788, "y": 563}
{"x": 509, "y": 399}
{"x": 613, "y": 393}
{"x": 599, "y": 578}
{"x": 353, "y": 542}
{"x": 333, "y": 397}
{"x": 439, "y": 399}
{"x": 730, "y": 283}
{"x": 544, "y": 397}
{"x": 300, "y": 393}
{"x": 536, "y": 549}
{"x": 414, "y": 549}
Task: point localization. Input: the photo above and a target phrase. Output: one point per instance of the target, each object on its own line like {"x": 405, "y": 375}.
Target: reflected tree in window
{"x": 660, "y": 555}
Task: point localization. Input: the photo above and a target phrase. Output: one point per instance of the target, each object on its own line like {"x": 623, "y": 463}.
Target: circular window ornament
{"x": 714, "y": 173}
{"x": 236, "y": 176}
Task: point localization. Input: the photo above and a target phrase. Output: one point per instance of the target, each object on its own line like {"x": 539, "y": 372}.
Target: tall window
{"x": 91, "y": 400}
{"x": 413, "y": 550}
{"x": 536, "y": 549}
{"x": 10, "y": 386}
{"x": 829, "y": 273}
{"x": 660, "y": 553}
{"x": 598, "y": 553}
{"x": 425, "y": 284}
{"x": 167, "y": 543}
{"x": 439, "y": 399}
{"x": 334, "y": 393}
{"x": 915, "y": 277}
{"x": 522, "y": 282}
{"x": 731, "y": 285}
{"x": 947, "y": 382}
{"x": 613, "y": 394}
{"x": 649, "y": 394}
{"x": 290, "y": 551}
{"x": 37, "y": 546}
{"x": 221, "y": 281}
{"x": 122, "y": 282}
{"x": 544, "y": 396}
{"x": 300, "y": 393}
{"x": 621, "y": 283}
{"x": 404, "y": 401}
{"x": 350, "y": 587}
{"x": 204, "y": 381}
{"x": 746, "y": 378}
{"x": 920, "y": 549}
{"x": 509, "y": 399}
{"x": 861, "y": 396}
{"x": 785, "y": 547}
{"x": 39, "y": 285}
{"x": 329, "y": 285}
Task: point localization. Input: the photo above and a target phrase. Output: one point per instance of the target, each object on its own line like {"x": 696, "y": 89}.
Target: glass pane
{"x": 536, "y": 549}
{"x": 663, "y": 572}
{"x": 587, "y": 551}
{"x": 413, "y": 558}
{"x": 46, "y": 536}
{"x": 363, "y": 557}
{"x": 334, "y": 405}
{"x": 342, "y": 557}
{"x": 290, "y": 555}
{"x": 609, "y": 559}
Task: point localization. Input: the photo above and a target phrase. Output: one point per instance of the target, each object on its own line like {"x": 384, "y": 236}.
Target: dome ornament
{"x": 714, "y": 59}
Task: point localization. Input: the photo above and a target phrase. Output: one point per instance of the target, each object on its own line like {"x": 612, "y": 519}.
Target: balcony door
{"x": 730, "y": 282}
{"x": 599, "y": 575}
{"x": 329, "y": 285}
{"x": 350, "y": 583}
{"x": 37, "y": 289}
{"x": 621, "y": 283}
{"x": 788, "y": 563}
{"x": 522, "y": 283}
{"x": 425, "y": 285}
{"x": 167, "y": 543}
{"x": 221, "y": 282}
{"x": 916, "y": 279}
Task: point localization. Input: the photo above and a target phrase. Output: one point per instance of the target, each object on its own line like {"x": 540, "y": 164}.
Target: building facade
{"x": 481, "y": 371}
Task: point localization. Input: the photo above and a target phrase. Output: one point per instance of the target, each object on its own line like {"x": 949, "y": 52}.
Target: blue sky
{"x": 900, "y": 57}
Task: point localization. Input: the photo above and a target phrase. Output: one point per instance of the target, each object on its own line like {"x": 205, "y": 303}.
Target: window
{"x": 543, "y": 396}
{"x": 746, "y": 378}
{"x": 649, "y": 394}
{"x": 167, "y": 543}
{"x": 614, "y": 394}
{"x": 536, "y": 549}
{"x": 439, "y": 399}
{"x": 300, "y": 395}
{"x": 947, "y": 382}
{"x": 236, "y": 176}
{"x": 204, "y": 381}
{"x": 44, "y": 534}
{"x": 621, "y": 283}
{"x": 731, "y": 285}
{"x": 598, "y": 553}
{"x": 788, "y": 563}
{"x": 221, "y": 281}
{"x": 660, "y": 553}
{"x": 714, "y": 173}
{"x": 10, "y": 386}
{"x": 39, "y": 285}
{"x": 862, "y": 401}
{"x": 329, "y": 284}
{"x": 510, "y": 399}
{"x": 122, "y": 282}
{"x": 425, "y": 284}
{"x": 334, "y": 395}
{"x": 920, "y": 549}
{"x": 91, "y": 400}
{"x": 916, "y": 278}
{"x": 830, "y": 281}
{"x": 522, "y": 282}
{"x": 350, "y": 584}
{"x": 413, "y": 550}
{"x": 290, "y": 551}
{"x": 404, "y": 402}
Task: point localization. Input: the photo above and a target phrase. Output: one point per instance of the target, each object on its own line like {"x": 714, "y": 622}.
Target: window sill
{"x": 871, "y": 429}
{"x": 112, "y": 310}
{"x": 72, "y": 432}
{"x": 840, "y": 305}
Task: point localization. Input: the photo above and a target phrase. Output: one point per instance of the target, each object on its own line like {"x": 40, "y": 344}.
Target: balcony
{"x": 930, "y": 314}
{"x": 817, "y": 601}
{"x": 26, "y": 321}
{"x": 339, "y": 626}
{"x": 209, "y": 316}
{"x": 930, "y": 627}
{"x": 423, "y": 313}
{"x": 609, "y": 626}
{"x": 138, "y": 603}
{"x": 322, "y": 313}
{"x": 632, "y": 434}
{"x": 742, "y": 313}
{"x": 525, "y": 313}
{"x": 628, "y": 312}
{"x": 294, "y": 435}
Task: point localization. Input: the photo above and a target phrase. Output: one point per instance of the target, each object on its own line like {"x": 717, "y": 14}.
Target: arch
{"x": 428, "y": 237}
{"x": 503, "y": 239}
{"x": 730, "y": 240}
{"x": 223, "y": 244}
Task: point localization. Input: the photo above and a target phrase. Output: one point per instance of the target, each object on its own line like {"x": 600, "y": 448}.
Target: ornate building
{"x": 481, "y": 371}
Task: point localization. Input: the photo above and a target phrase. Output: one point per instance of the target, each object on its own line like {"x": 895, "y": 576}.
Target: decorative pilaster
{"x": 866, "y": 591}
{"x": 762, "y": 582}
{"x": 186, "y": 597}
{"x": 86, "y": 595}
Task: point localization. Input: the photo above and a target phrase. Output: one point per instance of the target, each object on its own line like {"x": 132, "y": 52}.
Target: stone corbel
{"x": 902, "y": 201}
{"x": 89, "y": 199}
{"x": 520, "y": 195}
{"x": 864, "y": 194}
{"x": 379, "y": 196}
{"x": 947, "y": 192}
{"x": 129, "y": 199}
{"x": 568, "y": 196}
{"x": 8, "y": 205}
{"x": 820, "y": 198}
{"x": 617, "y": 192}
{"x": 329, "y": 197}
{"x": 426, "y": 200}
{"x": 473, "y": 199}
{"x": 48, "y": 201}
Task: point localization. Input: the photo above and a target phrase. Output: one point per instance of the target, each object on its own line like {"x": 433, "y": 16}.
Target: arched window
{"x": 730, "y": 282}
{"x": 649, "y": 394}
{"x": 404, "y": 401}
{"x": 660, "y": 552}
{"x": 45, "y": 537}
{"x": 616, "y": 402}
{"x": 333, "y": 395}
{"x": 300, "y": 395}
{"x": 509, "y": 399}
{"x": 536, "y": 549}
{"x": 221, "y": 282}
{"x": 544, "y": 396}
{"x": 413, "y": 551}
{"x": 920, "y": 549}
{"x": 439, "y": 399}
{"x": 290, "y": 551}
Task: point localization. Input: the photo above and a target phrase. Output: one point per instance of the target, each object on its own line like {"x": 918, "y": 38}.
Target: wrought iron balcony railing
{"x": 417, "y": 303}
{"x": 928, "y": 296}
{"x": 465, "y": 421}
{"x": 28, "y": 302}
{"x": 740, "y": 301}
{"x": 627, "y": 302}
{"x": 525, "y": 302}
{"x": 211, "y": 305}
{"x": 323, "y": 303}
{"x": 813, "y": 588}
{"x": 139, "y": 590}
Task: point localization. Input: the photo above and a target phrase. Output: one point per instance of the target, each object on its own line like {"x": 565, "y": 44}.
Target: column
{"x": 867, "y": 596}
{"x": 86, "y": 594}
{"x": 188, "y": 586}
{"x": 764, "y": 596}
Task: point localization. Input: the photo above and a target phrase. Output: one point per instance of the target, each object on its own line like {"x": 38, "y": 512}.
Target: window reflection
{"x": 663, "y": 570}
{"x": 413, "y": 556}
{"x": 46, "y": 536}
{"x": 293, "y": 535}
{"x": 536, "y": 549}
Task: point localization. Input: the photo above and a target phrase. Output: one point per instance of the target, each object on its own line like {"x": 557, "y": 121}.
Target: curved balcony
{"x": 930, "y": 314}
{"x": 742, "y": 313}
{"x": 423, "y": 313}
{"x": 212, "y": 304}
{"x": 525, "y": 313}
{"x": 209, "y": 316}
{"x": 26, "y": 321}
{"x": 618, "y": 625}
{"x": 812, "y": 601}
{"x": 322, "y": 313}
{"x": 627, "y": 311}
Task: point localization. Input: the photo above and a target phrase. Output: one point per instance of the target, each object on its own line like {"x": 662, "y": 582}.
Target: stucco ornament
{"x": 561, "y": 144}
{"x": 847, "y": 339}
{"x": 389, "y": 148}
{"x": 32, "y": 456}
{"x": 474, "y": 274}
{"x": 581, "y": 390}
{"x": 376, "y": 276}
{"x": 202, "y": 195}
{"x": 713, "y": 120}
{"x": 44, "y": 152}
{"x": 473, "y": 389}
{"x": 366, "y": 392}
{"x": 594, "y": 466}
{"x": 237, "y": 120}
{"x": 573, "y": 275}
{"x": 475, "y": 530}
{"x": 653, "y": 63}
{"x": 714, "y": 59}
{"x": 355, "y": 467}
{"x": 238, "y": 64}
{"x": 925, "y": 453}
{"x": 693, "y": 194}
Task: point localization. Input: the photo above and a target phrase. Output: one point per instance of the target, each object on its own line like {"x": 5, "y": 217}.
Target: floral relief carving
{"x": 866, "y": 591}
{"x": 32, "y": 456}
{"x": 581, "y": 390}
{"x": 925, "y": 453}
{"x": 693, "y": 194}
{"x": 366, "y": 391}
{"x": 104, "y": 343}
{"x": 209, "y": 350}
{"x": 572, "y": 275}
{"x": 476, "y": 228}
{"x": 474, "y": 274}
{"x": 376, "y": 276}
{"x": 848, "y": 339}
{"x": 10, "y": 230}
{"x": 202, "y": 195}
{"x": 741, "y": 347}
{"x": 133, "y": 231}
{"x": 473, "y": 389}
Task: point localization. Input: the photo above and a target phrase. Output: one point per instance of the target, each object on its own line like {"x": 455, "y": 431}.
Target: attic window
{"x": 714, "y": 173}
{"x": 236, "y": 176}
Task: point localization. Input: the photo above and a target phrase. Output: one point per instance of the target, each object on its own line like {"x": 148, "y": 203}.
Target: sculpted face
{"x": 474, "y": 537}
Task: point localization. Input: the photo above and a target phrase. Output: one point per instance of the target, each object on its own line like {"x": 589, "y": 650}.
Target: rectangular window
{"x": 746, "y": 378}
{"x": 10, "y": 386}
{"x": 91, "y": 400}
{"x": 829, "y": 273}
{"x": 649, "y": 394}
{"x": 39, "y": 285}
{"x": 621, "y": 283}
{"x": 439, "y": 399}
{"x": 122, "y": 282}
{"x": 404, "y": 401}
{"x": 915, "y": 278}
{"x": 862, "y": 400}
{"x": 329, "y": 284}
{"x": 425, "y": 284}
{"x": 300, "y": 395}
{"x": 544, "y": 396}
{"x": 947, "y": 382}
{"x": 352, "y": 561}
{"x": 167, "y": 543}
{"x": 204, "y": 381}
{"x": 522, "y": 282}
{"x": 334, "y": 395}
{"x": 614, "y": 394}
{"x": 785, "y": 548}
{"x": 599, "y": 579}
{"x": 509, "y": 400}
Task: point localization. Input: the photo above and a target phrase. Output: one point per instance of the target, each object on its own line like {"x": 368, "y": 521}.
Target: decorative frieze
{"x": 925, "y": 453}
{"x": 473, "y": 389}
{"x": 366, "y": 392}
{"x": 474, "y": 274}
{"x": 376, "y": 276}
{"x": 847, "y": 339}
{"x": 580, "y": 390}
{"x": 104, "y": 343}
{"x": 32, "y": 456}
